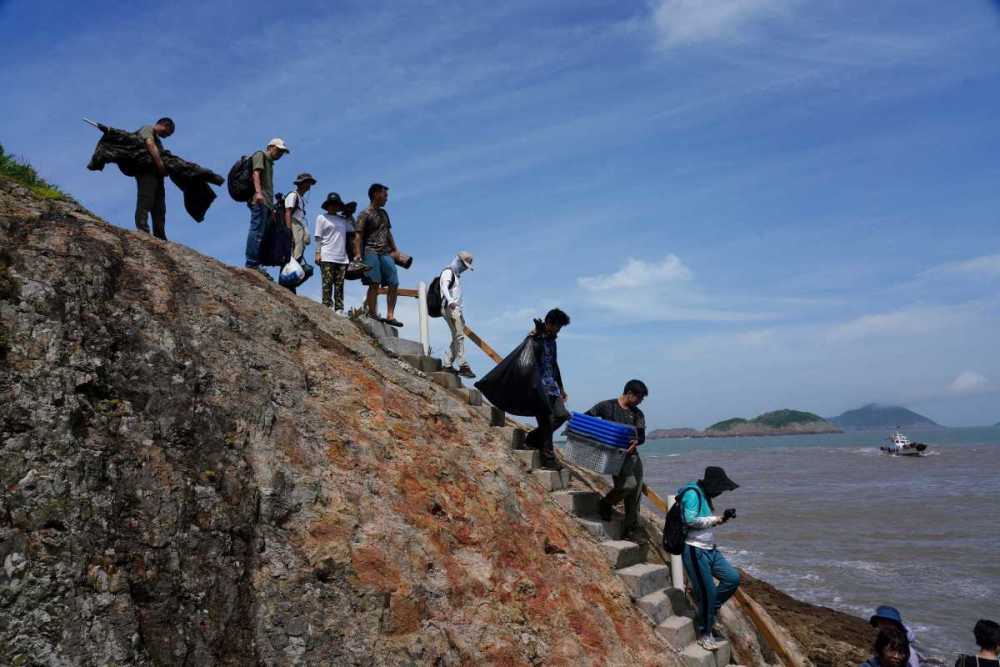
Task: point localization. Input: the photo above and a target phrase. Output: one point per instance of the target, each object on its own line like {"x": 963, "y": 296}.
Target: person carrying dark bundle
{"x": 528, "y": 383}
{"x": 628, "y": 482}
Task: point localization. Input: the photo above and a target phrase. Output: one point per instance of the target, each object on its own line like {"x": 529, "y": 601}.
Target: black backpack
{"x": 434, "y": 300}
{"x": 675, "y": 531}
{"x": 276, "y": 246}
{"x": 240, "y": 180}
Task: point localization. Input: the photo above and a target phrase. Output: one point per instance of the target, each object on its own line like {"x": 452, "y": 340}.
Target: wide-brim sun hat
{"x": 350, "y": 207}
{"x": 303, "y": 177}
{"x": 717, "y": 478}
{"x": 888, "y": 614}
{"x": 332, "y": 202}
{"x": 466, "y": 258}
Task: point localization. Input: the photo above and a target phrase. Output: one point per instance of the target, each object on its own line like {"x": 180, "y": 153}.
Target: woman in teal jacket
{"x": 703, "y": 562}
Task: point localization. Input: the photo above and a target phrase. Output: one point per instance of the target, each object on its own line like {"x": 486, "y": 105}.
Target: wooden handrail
{"x": 401, "y": 291}
{"x": 483, "y": 345}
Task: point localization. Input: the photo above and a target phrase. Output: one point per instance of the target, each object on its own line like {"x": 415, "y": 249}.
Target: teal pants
{"x": 703, "y": 567}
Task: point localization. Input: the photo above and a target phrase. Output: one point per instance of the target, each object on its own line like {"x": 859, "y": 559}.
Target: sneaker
{"x": 604, "y": 509}
{"x": 708, "y": 643}
{"x": 392, "y": 322}
{"x": 466, "y": 372}
{"x": 339, "y": 313}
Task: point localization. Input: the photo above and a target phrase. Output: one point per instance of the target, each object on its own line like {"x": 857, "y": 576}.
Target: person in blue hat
{"x": 889, "y": 617}
{"x": 891, "y": 648}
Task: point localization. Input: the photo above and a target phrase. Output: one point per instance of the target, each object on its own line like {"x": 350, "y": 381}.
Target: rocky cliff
{"x": 199, "y": 468}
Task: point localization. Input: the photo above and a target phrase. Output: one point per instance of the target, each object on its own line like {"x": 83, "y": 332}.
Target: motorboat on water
{"x": 900, "y": 445}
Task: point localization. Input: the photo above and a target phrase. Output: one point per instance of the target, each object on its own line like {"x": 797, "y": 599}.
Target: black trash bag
{"x": 276, "y": 246}
{"x": 128, "y": 151}
{"x": 514, "y": 385}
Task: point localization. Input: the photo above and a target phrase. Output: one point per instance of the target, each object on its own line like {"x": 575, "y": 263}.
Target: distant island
{"x": 779, "y": 422}
{"x": 875, "y": 417}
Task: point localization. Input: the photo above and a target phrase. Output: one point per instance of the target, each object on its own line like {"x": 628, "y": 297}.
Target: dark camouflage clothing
{"x": 333, "y": 280}
{"x": 373, "y": 225}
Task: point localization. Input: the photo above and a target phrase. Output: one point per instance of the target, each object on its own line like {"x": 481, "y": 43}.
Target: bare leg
{"x": 391, "y": 302}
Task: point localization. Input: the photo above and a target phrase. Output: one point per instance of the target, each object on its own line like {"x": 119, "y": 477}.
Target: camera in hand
{"x": 729, "y": 514}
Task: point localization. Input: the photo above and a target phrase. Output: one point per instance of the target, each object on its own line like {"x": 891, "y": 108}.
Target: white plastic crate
{"x": 594, "y": 455}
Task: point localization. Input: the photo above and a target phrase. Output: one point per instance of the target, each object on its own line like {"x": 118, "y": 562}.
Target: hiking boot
{"x": 605, "y": 509}
{"x": 708, "y": 642}
{"x": 466, "y": 372}
{"x": 393, "y": 322}
{"x": 262, "y": 271}
{"x": 633, "y": 535}
{"x": 551, "y": 464}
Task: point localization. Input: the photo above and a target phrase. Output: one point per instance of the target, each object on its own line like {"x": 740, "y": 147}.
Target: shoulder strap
{"x": 680, "y": 500}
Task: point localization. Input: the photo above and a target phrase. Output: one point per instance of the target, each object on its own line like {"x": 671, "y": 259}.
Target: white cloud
{"x": 637, "y": 273}
{"x": 661, "y": 291}
{"x": 681, "y": 22}
{"x": 969, "y": 382}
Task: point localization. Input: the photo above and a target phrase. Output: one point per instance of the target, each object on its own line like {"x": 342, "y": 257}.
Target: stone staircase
{"x": 649, "y": 583}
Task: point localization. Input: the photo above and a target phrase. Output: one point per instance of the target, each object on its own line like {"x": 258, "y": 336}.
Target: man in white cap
{"x": 451, "y": 310}
{"x": 262, "y": 203}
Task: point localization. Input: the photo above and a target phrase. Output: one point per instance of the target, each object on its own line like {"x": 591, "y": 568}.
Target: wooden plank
{"x": 483, "y": 345}
{"x": 402, "y": 291}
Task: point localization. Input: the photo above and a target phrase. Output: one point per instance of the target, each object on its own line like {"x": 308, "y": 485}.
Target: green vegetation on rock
{"x": 781, "y": 418}
{"x": 728, "y": 424}
{"x": 25, "y": 174}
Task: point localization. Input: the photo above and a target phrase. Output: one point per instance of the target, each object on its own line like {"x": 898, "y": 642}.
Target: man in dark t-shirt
{"x": 628, "y": 482}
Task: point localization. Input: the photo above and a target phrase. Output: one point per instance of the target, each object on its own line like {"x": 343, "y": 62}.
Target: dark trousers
{"x": 151, "y": 199}
{"x": 541, "y": 437}
{"x": 260, "y": 216}
{"x": 628, "y": 487}
{"x": 333, "y": 281}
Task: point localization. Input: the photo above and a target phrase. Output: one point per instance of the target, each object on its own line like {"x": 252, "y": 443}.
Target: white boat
{"x": 900, "y": 445}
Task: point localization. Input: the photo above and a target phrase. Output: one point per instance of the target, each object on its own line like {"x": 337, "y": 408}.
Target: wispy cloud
{"x": 680, "y": 22}
{"x": 663, "y": 290}
{"x": 984, "y": 266}
{"x": 969, "y": 382}
{"x": 916, "y": 321}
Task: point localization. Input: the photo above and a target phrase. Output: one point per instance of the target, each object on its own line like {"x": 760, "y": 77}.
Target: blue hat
{"x": 887, "y": 613}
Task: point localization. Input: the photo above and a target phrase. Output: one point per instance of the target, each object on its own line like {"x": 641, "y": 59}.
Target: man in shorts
{"x": 374, "y": 243}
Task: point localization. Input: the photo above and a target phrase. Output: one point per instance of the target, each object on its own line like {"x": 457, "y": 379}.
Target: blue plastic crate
{"x": 607, "y": 432}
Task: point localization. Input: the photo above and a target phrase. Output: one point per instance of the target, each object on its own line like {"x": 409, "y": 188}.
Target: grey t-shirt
{"x": 149, "y": 132}
{"x": 612, "y": 411}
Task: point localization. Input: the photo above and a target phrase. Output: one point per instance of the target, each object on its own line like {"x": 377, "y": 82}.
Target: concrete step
{"x": 529, "y": 459}
{"x": 695, "y": 656}
{"x": 422, "y": 363}
{"x": 470, "y": 396}
{"x": 552, "y": 480}
{"x": 378, "y": 329}
{"x": 678, "y": 631}
{"x": 622, "y": 553}
{"x": 656, "y": 606}
{"x": 679, "y": 602}
{"x": 497, "y": 416}
{"x": 578, "y": 503}
{"x": 401, "y": 346}
{"x": 602, "y": 530}
{"x": 446, "y": 379}
{"x": 644, "y": 578}
{"x": 517, "y": 438}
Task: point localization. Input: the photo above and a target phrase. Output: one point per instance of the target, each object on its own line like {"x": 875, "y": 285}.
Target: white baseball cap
{"x": 466, "y": 258}
{"x": 278, "y": 142}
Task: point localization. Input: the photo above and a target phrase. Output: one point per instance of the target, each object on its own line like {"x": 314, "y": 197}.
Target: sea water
{"x": 831, "y": 520}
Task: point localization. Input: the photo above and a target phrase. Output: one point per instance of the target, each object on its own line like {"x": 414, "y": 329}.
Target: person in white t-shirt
{"x": 331, "y": 250}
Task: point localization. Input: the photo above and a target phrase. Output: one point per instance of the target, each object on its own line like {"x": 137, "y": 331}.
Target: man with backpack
{"x": 703, "y": 562}
{"x": 150, "y": 199}
{"x": 374, "y": 243}
{"x": 450, "y": 286}
{"x": 628, "y": 482}
{"x": 261, "y": 203}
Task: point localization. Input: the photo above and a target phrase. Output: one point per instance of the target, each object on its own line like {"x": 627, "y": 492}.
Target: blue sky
{"x": 750, "y": 204}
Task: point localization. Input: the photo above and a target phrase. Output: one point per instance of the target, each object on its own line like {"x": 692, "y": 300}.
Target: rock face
{"x": 200, "y": 468}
